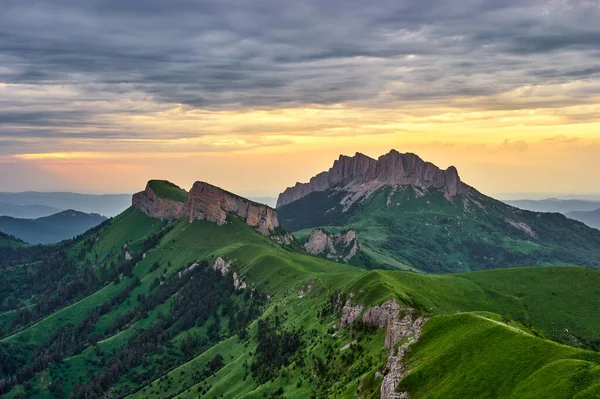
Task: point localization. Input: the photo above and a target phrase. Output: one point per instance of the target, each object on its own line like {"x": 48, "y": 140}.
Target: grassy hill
{"x": 152, "y": 319}
{"x": 591, "y": 218}
{"x": 166, "y": 189}
{"x": 50, "y": 229}
{"x": 424, "y": 230}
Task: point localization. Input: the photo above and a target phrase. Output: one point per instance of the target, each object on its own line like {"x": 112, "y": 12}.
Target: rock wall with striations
{"x": 207, "y": 202}
{"x": 394, "y": 168}
{"x": 157, "y": 207}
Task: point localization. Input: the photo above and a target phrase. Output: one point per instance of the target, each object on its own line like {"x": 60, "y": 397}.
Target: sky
{"x": 100, "y": 96}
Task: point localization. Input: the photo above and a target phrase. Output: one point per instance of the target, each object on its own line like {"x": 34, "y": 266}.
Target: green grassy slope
{"x": 470, "y": 356}
{"x": 431, "y": 233}
{"x": 299, "y": 302}
{"x": 166, "y": 189}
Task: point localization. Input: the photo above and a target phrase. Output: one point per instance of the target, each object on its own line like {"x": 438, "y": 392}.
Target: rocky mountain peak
{"x": 206, "y": 202}
{"x": 362, "y": 174}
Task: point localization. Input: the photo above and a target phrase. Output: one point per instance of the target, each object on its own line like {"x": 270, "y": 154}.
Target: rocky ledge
{"x": 207, "y": 202}
{"x": 363, "y": 175}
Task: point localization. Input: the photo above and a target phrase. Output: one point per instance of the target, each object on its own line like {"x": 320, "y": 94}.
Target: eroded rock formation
{"x": 363, "y": 175}
{"x": 341, "y": 246}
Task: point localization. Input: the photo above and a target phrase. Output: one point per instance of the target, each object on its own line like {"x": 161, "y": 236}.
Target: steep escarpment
{"x": 204, "y": 202}
{"x": 361, "y": 175}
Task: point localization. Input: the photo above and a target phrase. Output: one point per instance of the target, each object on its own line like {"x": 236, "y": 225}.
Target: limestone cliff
{"x": 152, "y": 205}
{"x": 361, "y": 175}
{"x": 208, "y": 202}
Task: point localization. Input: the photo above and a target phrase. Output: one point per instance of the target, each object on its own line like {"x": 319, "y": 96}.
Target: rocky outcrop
{"x": 208, "y": 202}
{"x": 340, "y": 246}
{"x": 524, "y": 227}
{"x": 400, "y": 323}
{"x": 224, "y": 266}
{"x": 363, "y": 175}
{"x": 157, "y": 207}
{"x": 350, "y": 313}
{"x": 221, "y": 265}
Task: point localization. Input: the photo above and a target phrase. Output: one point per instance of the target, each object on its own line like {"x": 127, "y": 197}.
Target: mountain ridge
{"x": 205, "y": 201}
{"x": 362, "y": 175}
{"x": 50, "y": 229}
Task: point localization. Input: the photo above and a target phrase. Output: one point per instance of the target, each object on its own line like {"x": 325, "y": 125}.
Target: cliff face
{"x": 152, "y": 205}
{"x": 207, "y": 202}
{"x": 363, "y": 175}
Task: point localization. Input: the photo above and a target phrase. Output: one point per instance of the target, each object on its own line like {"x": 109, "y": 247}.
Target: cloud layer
{"x": 225, "y": 75}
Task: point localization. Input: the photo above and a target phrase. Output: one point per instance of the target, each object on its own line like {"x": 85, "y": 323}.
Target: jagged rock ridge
{"x": 361, "y": 175}
{"x": 207, "y": 202}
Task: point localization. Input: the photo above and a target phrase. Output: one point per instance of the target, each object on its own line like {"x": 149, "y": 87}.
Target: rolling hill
{"x": 563, "y": 206}
{"x": 591, "y": 218}
{"x": 105, "y": 204}
{"x": 27, "y": 211}
{"x": 200, "y": 306}
{"x": 50, "y": 229}
{"x": 409, "y": 214}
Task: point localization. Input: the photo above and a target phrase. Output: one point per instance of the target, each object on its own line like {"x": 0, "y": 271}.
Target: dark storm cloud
{"x": 278, "y": 53}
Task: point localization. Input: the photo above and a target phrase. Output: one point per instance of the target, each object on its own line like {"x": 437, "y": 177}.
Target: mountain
{"x": 108, "y": 204}
{"x": 409, "y": 214}
{"x": 50, "y": 229}
{"x": 555, "y": 205}
{"x": 168, "y": 299}
{"x": 591, "y": 218}
{"x": 27, "y": 211}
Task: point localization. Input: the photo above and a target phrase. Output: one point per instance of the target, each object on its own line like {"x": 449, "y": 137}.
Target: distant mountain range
{"x": 555, "y": 205}
{"x": 27, "y": 211}
{"x": 591, "y": 218}
{"x": 33, "y": 204}
{"x": 50, "y": 229}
